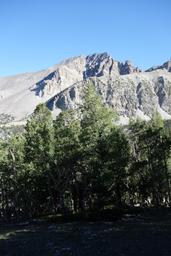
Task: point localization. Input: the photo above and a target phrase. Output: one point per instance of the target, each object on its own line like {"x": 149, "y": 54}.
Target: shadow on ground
{"x": 145, "y": 234}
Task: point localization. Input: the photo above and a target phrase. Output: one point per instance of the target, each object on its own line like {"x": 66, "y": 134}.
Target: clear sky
{"x": 35, "y": 34}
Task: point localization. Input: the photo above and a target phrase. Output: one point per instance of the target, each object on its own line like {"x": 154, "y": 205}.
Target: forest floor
{"x": 145, "y": 234}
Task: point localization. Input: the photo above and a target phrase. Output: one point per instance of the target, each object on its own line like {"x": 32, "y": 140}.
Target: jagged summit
{"x": 166, "y": 66}
{"x": 100, "y": 64}
{"x": 125, "y": 88}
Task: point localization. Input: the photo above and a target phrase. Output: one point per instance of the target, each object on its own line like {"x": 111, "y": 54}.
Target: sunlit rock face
{"x": 123, "y": 87}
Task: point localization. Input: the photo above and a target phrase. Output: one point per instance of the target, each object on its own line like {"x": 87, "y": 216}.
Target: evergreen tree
{"x": 96, "y": 121}
{"x": 67, "y": 147}
{"x": 150, "y": 152}
{"x": 39, "y": 137}
{"x": 114, "y": 154}
{"x": 39, "y": 150}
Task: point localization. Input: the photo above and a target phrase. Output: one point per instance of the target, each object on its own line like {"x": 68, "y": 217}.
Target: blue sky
{"x": 37, "y": 34}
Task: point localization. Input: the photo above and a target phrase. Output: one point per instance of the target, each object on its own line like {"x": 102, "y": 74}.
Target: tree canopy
{"x": 83, "y": 162}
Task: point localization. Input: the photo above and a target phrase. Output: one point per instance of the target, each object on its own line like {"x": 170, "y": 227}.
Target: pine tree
{"x": 96, "y": 121}
{"x": 39, "y": 137}
{"x": 67, "y": 147}
{"x": 39, "y": 151}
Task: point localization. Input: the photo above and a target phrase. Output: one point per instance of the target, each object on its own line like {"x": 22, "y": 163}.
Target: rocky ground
{"x": 141, "y": 235}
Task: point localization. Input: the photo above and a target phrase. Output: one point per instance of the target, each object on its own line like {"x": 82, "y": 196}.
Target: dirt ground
{"x": 146, "y": 234}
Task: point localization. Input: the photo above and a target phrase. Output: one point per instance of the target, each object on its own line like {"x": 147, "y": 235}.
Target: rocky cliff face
{"x": 165, "y": 66}
{"x": 122, "y": 86}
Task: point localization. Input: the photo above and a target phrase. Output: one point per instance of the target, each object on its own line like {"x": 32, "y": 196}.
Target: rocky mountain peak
{"x": 99, "y": 64}
{"x": 165, "y": 66}
{"x": 81, "y": 68}
{"x": 122, "y": 86}
{"x": 103, "y": 64}
{"x": 127, "y": 68}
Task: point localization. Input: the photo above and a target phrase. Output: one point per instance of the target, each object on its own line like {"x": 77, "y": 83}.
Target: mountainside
{"x": 125, "y": 88}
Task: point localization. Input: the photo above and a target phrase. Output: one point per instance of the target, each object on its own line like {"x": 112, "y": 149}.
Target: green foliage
{"x": 39, "y": 137}
{"x": 83, "y": 162}
{"x": 94, "y": 113}
{"x": 116, "y": 162}
{"x": 149, "y": 168}
{"x": 67, "y": 130}
{"x": 157, "y": 120}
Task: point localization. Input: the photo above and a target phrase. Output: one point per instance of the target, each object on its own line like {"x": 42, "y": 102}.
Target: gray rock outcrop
{"x": 123, "y": 87}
